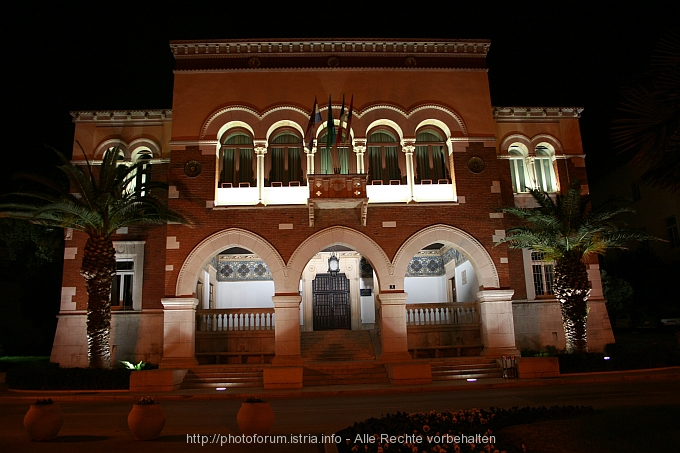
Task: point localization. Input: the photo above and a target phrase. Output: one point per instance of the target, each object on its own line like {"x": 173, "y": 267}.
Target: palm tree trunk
{"x": 572, "y": 289}
{"x": 98, "y": 268}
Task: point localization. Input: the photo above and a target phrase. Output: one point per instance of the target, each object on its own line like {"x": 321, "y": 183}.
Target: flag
{"x": 349, "y": 116}
{"x": 317, "y": 113}
{"x": 338, "y": 138}
{"x": 330, "y": 126}
{"x": 312, "y": 119}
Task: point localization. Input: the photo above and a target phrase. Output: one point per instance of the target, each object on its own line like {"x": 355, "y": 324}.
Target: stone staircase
{"x": 465, "y": 368}
{"x": 337, "y": 346}
{"x": 343, "y": 373}
{"x": 213, "y": 376}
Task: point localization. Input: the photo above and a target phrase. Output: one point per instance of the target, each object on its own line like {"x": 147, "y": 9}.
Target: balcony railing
{"x": 441, "y": 314}
{"x": 222, "y": 320}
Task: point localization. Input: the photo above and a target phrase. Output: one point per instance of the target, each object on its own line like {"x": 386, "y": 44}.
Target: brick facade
{"x": 263, "y": 88}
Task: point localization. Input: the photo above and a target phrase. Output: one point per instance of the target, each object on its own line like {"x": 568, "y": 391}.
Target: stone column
{"x": 359, "y": 147}
{"x": 260, "y": 147}
{"x": 408, "y": 145}
{"x": 287, "y": 330}
{"x": 179, "y": 333}
{"x": 498, "y": 330}
{"x": 311, "y": 153}
{"x": 531, "y": 170}
{"x": 392, "y": 324}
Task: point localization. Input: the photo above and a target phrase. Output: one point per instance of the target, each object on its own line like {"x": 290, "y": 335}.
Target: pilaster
{"x": 179, "y": 333}
{"x": 392, "y": 322}
{"x": 498, "y": 330}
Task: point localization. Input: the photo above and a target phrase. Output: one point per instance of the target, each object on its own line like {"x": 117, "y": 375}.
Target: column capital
{"x": 311, "y": 151}
{"x": 495, "y": 295}
{"x": 260, "y": 146}
{"x": 408, "y": 145}
{"x": 359, "y": 145}
{"x": 392, "y": 298}
{"x": 179, "y": 303}
{"x": 287, "y": 301}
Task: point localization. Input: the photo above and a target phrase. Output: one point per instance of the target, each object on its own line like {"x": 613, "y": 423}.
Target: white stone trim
{"x": 133, "y": 250}
{"x": 70, "y": 253}
{"x": 171, "y": 243}
{"x": 460, "y": 240}
{"x": 67, "y": 293}
{"x": 197, "y": 259}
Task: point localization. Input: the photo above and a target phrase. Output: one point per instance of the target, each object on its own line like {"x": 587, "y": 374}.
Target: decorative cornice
{"x": 535, "y": 113}
{"x": 472, "y": 139}
{"x": 329, "y": 54}
{"x": 123, "y": 116}
{"x": 306, "y": 47}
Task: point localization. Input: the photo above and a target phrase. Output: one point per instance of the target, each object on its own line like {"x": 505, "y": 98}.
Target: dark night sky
{"x": 115, "y": 55}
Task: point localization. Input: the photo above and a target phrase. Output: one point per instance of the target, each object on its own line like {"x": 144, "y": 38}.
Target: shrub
{"x": 50, "y": 376}
{"x": 469, "y": 422}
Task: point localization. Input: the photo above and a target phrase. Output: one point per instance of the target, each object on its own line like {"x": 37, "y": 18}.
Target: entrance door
{"x": 331, "y": 302}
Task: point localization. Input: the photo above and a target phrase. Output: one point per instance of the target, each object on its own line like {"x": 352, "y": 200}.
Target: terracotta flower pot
{"x": 43, "y": 421}
{"x": 146, "y": 421}
{"x": 255, "y": 418}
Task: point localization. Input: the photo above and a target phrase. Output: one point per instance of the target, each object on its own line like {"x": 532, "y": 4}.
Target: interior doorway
{"x": 331, "y": 304}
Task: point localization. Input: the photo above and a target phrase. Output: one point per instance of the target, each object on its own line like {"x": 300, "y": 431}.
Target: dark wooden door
{"x": 331, "y": 302}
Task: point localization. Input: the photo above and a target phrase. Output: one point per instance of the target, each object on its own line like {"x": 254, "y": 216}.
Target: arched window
{"x": 383, "y": 157}
{"x": 286, "y": 165}
{"x": 430, "y": 157}
{"x": 545, "y": 172}
{"x": 518, "y": 170}
{"x": 236, "y": 156}
{"x": 535, "y": 171}
{"x": 142, "y": 157}
{"x": 327, "y": 165}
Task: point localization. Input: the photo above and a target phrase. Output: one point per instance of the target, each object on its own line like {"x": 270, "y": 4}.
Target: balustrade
{"x": 222, "y": 320}
{"x": 442, "y": 314}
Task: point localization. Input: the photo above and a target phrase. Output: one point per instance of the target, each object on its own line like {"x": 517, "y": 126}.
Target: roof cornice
{"x": 146, "y": 117}
{"x": 535, "y": 113}
{"x": 330, "y": 53}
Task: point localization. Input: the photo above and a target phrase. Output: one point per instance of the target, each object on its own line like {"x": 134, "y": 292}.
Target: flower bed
{"x": 470, "y": 430}
{"x": 49, "y": 376}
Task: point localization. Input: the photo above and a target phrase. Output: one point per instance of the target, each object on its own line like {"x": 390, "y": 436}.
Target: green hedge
{"x": 621, "y": 357}
{"x": 8, "y": 362}
{"x": 50, "y": 376}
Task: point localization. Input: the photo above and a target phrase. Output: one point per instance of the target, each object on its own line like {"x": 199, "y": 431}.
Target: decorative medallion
{"x": 333, "y": 62}
{"x": 411, "y": 62}
{"x": 254, "y": 62}
{"x": 192, "y": 168}
{"x": 476, "y": 164}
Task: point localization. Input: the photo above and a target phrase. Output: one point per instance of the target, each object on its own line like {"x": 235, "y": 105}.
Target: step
{"x": 350, "y": 373}
{"x": 212, "y": 376}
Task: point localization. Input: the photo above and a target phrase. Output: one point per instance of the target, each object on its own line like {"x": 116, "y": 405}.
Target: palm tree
{"x": 567, "y": 232}
{"x": 100, "y": 206}
{"x": 649, "y": 131}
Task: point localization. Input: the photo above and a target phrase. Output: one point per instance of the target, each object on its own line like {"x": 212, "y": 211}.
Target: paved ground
{"x": 197, "y": 420}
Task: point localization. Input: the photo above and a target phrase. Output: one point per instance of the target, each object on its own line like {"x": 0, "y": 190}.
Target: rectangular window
{"x": 543, "y": 274}
{"x": 123, "y": 284}
{"x": 672, "y": 231}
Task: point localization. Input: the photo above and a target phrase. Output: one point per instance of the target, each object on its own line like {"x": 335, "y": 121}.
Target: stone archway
{"x": 464, "y": 242}
{"x": 232, "y": 237}
{"x": 495, "y": 305}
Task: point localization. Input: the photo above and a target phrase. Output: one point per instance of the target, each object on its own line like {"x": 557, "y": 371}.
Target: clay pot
{"x": 146, "y": 421}
{"x": 43, "y": 421}
{"x": 255, "y": 418}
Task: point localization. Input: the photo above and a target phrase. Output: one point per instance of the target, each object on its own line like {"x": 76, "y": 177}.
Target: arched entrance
{"x": 487, "y": 309}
